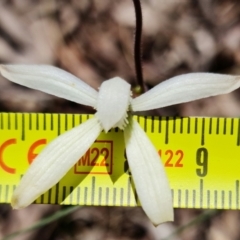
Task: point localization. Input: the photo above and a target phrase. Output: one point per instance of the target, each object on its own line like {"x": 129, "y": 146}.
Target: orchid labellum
{"x": 114, "y": 108}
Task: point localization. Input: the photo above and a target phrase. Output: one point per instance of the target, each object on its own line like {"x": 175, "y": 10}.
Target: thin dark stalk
{"x": 137, "y": 45}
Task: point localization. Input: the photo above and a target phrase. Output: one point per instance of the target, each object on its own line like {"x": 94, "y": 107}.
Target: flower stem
{"x": 137, "y": 45}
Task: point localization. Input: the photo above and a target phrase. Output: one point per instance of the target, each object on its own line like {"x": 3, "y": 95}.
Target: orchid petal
{"x": 185, "y": 88}
{"x": 54, "y": 162}
{"x": 113, "y": 102}
{"x": 51, "y": 80}
{"x": 148, "y": 174}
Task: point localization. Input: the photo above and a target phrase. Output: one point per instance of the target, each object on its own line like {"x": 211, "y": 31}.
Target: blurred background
{"x": 93, "y": 39}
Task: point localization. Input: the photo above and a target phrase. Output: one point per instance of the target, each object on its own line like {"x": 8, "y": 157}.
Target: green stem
{"x": 59, "y": 214}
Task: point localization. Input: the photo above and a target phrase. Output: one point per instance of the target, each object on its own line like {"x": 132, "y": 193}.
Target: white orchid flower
{"x": 114, "y": 107}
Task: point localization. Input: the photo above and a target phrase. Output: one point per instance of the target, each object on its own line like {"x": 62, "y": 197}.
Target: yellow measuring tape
{"x": 201, "y": 157}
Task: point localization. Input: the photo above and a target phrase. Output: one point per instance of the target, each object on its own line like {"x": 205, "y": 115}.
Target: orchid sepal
{"x": 54, "y": 162}
{"x": 52, "y": 80}
{"x": 185, "y": 88}
{"x": 148, "y": 174}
